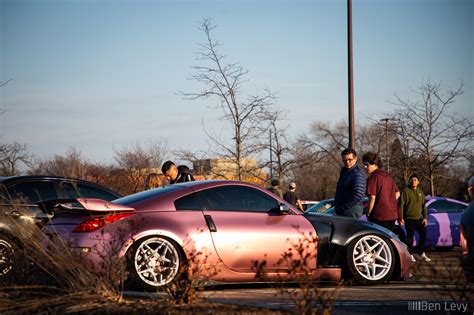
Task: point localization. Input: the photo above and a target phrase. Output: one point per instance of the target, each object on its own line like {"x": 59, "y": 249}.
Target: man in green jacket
{"x": 414, "y": 216}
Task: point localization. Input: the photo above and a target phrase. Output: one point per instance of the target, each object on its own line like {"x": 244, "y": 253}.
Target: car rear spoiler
{"x": 90, "y": 205}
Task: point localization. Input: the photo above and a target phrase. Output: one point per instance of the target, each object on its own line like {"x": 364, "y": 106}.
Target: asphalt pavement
{"x": 436, "y": 287}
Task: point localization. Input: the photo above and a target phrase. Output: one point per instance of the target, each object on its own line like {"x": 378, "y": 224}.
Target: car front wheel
{"x": 154, "y": 262}
{"x": 371, "y": 259}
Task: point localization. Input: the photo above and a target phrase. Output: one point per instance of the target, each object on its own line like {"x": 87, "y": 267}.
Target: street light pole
{"x": 350, "y": 83}
{"x": 271, "y": 156}
{"x": 387, "y": 156}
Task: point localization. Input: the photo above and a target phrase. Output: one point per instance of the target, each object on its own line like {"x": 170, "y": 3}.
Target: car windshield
{"x": 147, "y": 194}
{"x": 321, "y": 207}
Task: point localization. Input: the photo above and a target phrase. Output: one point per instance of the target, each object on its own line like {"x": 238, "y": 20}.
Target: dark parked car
{"x": 232, "y": 223}
{"x": 19, "y": 197}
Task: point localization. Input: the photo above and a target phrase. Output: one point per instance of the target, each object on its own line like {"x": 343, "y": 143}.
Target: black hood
{"x": 341, "y": 230}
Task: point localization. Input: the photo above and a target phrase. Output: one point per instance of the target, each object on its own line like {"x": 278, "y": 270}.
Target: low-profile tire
{"x": 371, "y": 259}
{"x": 11, "y": 264}
{"x": 154, "y": 262}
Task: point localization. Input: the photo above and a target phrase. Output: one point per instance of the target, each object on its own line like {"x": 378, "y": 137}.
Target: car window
{"x": 147, "y": 194}
{"x": 189, "y": 202}
{"x": 239, "y": 198}
{"x": 32, "y": 192}
{"x": 80, "y": 190}
{"x": 445, "y": 206}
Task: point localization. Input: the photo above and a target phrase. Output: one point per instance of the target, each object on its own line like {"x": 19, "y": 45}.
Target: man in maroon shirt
{"x": 382, "y": 192}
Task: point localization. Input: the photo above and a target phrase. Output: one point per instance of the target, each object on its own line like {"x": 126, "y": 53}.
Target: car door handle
{"x": 210, "y": 223}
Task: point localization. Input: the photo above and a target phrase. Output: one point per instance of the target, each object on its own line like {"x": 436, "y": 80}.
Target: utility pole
{"x": 350, "y": 83}
{"x": 271, "y": 156}
{"x": 387, "y": 155}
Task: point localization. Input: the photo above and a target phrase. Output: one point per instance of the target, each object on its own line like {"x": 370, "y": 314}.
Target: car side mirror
{"x": 284, "y": 208}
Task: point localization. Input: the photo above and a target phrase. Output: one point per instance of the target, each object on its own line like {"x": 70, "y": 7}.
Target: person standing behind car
{"x": 382, "y": 192}
{"x": 291, "y": 197}
{"x": 414, "y": 216}
{"x": 275, "y": 188}
{"x": 175, "y": 174}
{"x": 350, "y": 189}
{"x": 153, "y": 180}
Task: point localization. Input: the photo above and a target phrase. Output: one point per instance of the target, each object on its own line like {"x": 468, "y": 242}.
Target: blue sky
{"x": 98, "y": 75}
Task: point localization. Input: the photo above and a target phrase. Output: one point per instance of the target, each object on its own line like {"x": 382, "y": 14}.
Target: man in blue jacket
{"x": 350, "y": 190}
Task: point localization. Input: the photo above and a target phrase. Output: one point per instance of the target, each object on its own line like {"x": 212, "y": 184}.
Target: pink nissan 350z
{"x": 231, "y": 225}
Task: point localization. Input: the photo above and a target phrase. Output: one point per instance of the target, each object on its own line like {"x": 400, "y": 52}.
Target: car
{"x": 321, "y": 207}
{"x": 444, "y": 217}
{"x": 19, "y": 197}
{"x": 308, "y": 203}
{"x": 234, "y": 223}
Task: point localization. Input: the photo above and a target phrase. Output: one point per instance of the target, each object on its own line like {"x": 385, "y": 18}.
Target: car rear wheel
{"x": 154, "y": 262}
{"x": 10, "y": 262}
{"x": 371, "y": 259}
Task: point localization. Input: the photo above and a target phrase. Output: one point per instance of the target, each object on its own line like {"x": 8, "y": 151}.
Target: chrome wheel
{"x": 156, "y": 261}
{"x": 372, "y": 258}
{"x": 6, "y": 257}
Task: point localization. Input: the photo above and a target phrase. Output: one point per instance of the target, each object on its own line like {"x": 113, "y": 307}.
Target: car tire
{"x": 371, "y": 259}
{"x": 154, "y": 262}
{"x": 11, "y": 264}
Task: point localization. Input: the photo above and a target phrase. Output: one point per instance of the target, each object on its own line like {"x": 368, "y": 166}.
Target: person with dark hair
{"x": 414, "y": 216}
{"x": 176, "y": 174}
{"x": 350, "y": 189}
{"x": 275, "y": 188}
{"x": 291, "y": 197}
{"x": 382, "y": 192}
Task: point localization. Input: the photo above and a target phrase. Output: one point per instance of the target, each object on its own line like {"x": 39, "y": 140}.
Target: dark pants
{"x": 389, "y": 225}
{"x": 415, "y": 225}
{"x": 354, "y": 212}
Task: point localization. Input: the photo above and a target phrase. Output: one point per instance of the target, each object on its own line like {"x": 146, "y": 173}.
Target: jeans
{"x": 354, "y": 212}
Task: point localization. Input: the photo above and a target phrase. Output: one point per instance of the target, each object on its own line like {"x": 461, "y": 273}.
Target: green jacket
{"x": 412, "y": 203}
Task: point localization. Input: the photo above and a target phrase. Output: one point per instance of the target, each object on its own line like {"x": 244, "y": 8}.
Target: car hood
{"x": 344, "y": 229}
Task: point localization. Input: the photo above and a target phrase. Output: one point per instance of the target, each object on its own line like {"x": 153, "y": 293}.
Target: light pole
{"x": 387, "y": 156}
{"x": 350, "y": 70}
{"x": 271, "y": 156}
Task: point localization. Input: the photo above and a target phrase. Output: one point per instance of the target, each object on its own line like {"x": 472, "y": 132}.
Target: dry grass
{"x": 58, "y": 281}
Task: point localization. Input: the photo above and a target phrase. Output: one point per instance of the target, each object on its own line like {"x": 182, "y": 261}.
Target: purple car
{"x": 444, "y": 217}
{"x": 233, "y": 224}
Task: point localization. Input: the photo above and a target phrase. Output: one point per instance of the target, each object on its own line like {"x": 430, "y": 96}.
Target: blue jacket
{"x": 350, "y": 190}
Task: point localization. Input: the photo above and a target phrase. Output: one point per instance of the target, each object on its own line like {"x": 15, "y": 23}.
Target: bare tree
{"x": 433, "y": 133}
{"x": 72, "y": 164}
{"x": 317, "y": 155}
{"x": 137, "y": 161}
{"x": 274, "y": 145}
{"x": 3, "y": 83}
{"x": 224, "y": 81}
{"x": 12, "y": 156}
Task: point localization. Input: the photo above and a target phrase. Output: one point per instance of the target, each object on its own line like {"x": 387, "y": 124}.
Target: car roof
{"x": 7, "y": 180}
{"x": 430, "y": 199}
{"x": 192, "y": 186}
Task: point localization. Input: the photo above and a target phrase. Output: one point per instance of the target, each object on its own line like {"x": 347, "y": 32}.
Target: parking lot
{"x": 434, "y": 287}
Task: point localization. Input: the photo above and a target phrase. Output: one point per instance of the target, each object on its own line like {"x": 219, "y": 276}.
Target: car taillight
{"x": 96, "y": 223}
